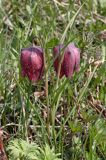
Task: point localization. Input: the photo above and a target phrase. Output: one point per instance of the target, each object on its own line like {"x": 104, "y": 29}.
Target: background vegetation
{"x": 69, "y": 122}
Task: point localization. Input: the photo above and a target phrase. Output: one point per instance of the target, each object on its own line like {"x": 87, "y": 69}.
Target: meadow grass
{"x": 71, "y": 116}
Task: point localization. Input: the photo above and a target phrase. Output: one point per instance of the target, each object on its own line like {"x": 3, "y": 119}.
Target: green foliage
{"x": 48, "y": 154}
{"x": 21, "y": 150}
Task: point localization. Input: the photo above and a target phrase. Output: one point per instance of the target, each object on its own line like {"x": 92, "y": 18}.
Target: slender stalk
{"x": 47, "y": 98}
{"x": 24, "y": 119}
{"x": 59, "y": 68}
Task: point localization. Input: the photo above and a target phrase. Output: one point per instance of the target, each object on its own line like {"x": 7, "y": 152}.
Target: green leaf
{"x": 52, "y": 43}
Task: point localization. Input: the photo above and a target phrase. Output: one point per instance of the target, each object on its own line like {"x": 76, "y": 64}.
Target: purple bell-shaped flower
{"x": 71, "y": 60}
{"x": 32, "y": 63}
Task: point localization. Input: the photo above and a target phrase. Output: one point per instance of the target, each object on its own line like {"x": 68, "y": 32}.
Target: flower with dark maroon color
{"x": 32, "y": 63}
{"x": 71, "y": 59}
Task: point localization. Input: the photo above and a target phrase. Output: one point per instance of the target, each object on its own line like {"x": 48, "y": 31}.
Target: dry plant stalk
{"x": 95, "y": 104}
{"x": 2, "y": 151}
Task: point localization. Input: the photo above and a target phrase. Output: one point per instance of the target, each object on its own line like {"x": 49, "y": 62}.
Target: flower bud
{"x": 71, "y": 59}
{"x": 32, "y": 63}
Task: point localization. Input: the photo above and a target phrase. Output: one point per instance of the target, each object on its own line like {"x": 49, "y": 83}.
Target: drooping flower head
{"x": 71, "y": 59}
{"x": 32, "y": 63}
